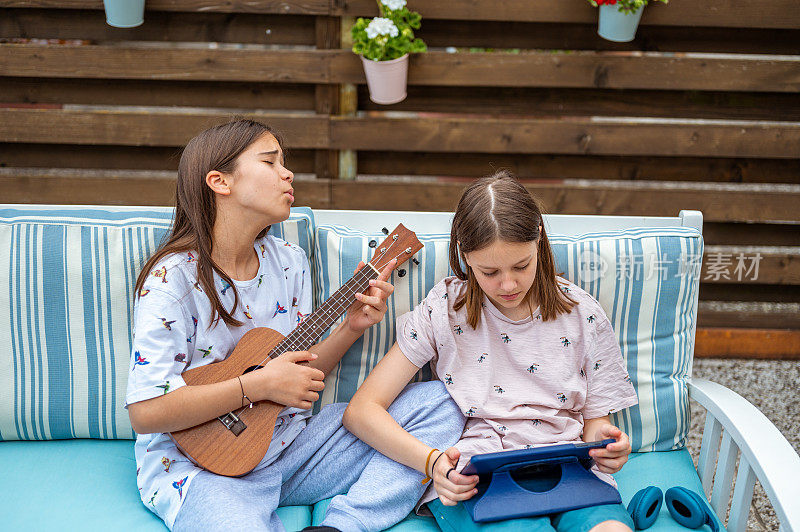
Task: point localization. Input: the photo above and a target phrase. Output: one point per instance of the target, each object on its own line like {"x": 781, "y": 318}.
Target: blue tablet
{"x": 540, "y": 481}
{"x": 489, "y": 463}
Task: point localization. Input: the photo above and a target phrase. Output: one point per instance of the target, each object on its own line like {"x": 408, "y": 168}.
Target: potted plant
{"x": 384, "y": 43}
{"x": 124, "y": 13}
{"x": 619, "y": 18}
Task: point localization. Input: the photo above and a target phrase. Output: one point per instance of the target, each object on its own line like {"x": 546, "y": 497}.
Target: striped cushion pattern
{"x": 65, "y": 311}
{"x": 337, "y": 253}
{"x": 645, "y": 279}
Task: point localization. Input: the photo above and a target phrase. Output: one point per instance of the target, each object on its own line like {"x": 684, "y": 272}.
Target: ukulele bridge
{"x": 233, "y": 423}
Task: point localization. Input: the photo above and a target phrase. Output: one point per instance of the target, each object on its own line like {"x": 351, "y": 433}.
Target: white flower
{"x": 381, "y": 26}
{"x": 394, "y": 4}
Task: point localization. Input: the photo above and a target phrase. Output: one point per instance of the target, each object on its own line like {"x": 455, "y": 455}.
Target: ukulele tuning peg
{"x": 401, "y": 273}
{"x": 383, "y": 250}
{"x": 373, "y": 243}
{"x": 408, "y": 250}
{"x": 394, "y": 237}
{"x": 385, "y": 231}
{"x": 415, "y": 261}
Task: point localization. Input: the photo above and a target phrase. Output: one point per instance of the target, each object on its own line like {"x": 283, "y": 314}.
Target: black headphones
{"x": 685, "y": 506}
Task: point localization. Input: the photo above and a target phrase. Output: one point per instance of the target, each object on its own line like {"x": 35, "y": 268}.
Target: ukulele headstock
{"x": 401, "y": 244}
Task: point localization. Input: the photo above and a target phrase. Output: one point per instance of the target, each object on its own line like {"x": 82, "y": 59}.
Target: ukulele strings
{"x": 298, "y": 339}
{"x": 305, "y": 333}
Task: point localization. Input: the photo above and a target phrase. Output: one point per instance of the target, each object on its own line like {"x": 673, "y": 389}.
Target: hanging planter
{"x": 619, "y": 19}
{"x": 124, "y": 13}
{"x": 384, "y": 43}
{"x": 386, "y": 80}
{"x": 614, "y": 25}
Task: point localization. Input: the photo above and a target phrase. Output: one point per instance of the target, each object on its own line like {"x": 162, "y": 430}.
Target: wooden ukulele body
{"x": 213, "y": 445}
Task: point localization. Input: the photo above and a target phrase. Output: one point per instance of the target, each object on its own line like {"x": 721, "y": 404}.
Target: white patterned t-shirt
{"x": 172, "y": 333}
{"x": 521, "y": 384}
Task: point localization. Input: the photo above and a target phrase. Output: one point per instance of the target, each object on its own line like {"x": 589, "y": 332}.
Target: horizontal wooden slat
{"x": 92, "y": 156}
{"x": 561, "y": 101}
{"x": 777, "y": 265}
{"x": 737, "y": 292}
{"x": 146, "y": 126}
{"x": 748, "y": 314}
{"x": 579, "y": 166}
{"x": 579, "y": 196}
{"x": 593, "y": 135}
{"x": 157, "y": 93}
{"x": 159, "y": 27}
{"x": 747, "y": 343}
{"x": 280, "y": 7}
{"x": 580, "y": 69}
{"x": 752, "y": 265}
{"x": 118, "y": 187}
{"x": 751, "y": 234}
{"x": 504, "y": 35}
{"x": 224, "y": 63}
{"x": 605, "y": 70}
{"x": 712, "y": 13}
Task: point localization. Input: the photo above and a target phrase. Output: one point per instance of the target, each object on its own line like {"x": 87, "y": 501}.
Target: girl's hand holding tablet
{"x": 455, "y": 486}
{"x": 613, "y": 457}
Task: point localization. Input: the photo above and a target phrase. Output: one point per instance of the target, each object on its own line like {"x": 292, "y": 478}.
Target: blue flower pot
{"x": 124, "y": 13}
{"x": 616, "y": 26}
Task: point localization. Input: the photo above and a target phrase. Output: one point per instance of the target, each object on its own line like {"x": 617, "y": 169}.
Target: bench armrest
{"x": 766, "y": 455}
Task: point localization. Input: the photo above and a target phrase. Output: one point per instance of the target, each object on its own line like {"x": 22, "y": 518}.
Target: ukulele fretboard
{"x": 309, "y": 331}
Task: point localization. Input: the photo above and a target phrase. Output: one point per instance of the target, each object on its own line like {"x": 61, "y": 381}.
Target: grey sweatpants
{"x": 326, "y": 460}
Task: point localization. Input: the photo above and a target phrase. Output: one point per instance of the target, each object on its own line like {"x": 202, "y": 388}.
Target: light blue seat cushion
{"x": 664, "y": 469}
{"x": 82, "y": 485}
{"x": 411, "y": 523}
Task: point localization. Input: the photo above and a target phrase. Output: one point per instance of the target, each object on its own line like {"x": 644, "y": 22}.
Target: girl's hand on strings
{"x": 611, "y": 458}
{"x": 371, "y": 306}
{"x": 451, "y": 485}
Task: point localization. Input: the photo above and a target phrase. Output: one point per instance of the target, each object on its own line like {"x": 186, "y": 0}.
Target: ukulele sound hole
{"x": 252, "y": 368}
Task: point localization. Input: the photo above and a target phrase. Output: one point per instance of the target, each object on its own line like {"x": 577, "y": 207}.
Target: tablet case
{"x": 539, "y": 481}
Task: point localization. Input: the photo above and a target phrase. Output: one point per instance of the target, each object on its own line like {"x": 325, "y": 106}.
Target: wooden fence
{"x": 701, "y": 111}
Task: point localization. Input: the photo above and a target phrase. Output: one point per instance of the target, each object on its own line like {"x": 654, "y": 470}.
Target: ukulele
{"x": 233, "y": 444}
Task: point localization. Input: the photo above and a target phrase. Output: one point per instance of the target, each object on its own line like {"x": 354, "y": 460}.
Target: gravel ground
{"x": 771, "y": 385}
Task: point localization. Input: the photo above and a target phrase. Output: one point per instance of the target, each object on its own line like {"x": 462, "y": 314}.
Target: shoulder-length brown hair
{"x": 217, "y": 148}
{"x": 494, "y": 208}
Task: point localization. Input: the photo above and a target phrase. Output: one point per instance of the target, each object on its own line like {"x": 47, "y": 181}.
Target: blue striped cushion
{"x": 65, "y": 311}
{"x": 337, "y": 253}
{"x": 652, "y": 317}
{"x": 647, "y": 281}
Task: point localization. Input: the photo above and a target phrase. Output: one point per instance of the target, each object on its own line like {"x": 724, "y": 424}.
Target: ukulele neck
{"x": 309, "y": 331}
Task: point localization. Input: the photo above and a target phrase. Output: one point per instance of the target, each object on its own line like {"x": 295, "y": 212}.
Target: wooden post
{"x": 326, "y": 162}
{"x": 348, "y": 106}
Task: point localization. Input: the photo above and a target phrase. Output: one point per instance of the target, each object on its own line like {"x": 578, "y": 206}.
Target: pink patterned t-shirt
{"x": 523, "y": 383}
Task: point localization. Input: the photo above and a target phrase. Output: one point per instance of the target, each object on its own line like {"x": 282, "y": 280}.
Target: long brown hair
{"x": 494, "y": 208}
{"x": 217, "y": 148}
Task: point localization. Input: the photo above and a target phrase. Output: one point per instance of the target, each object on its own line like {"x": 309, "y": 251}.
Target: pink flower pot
{"x": 386, "y": 79}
